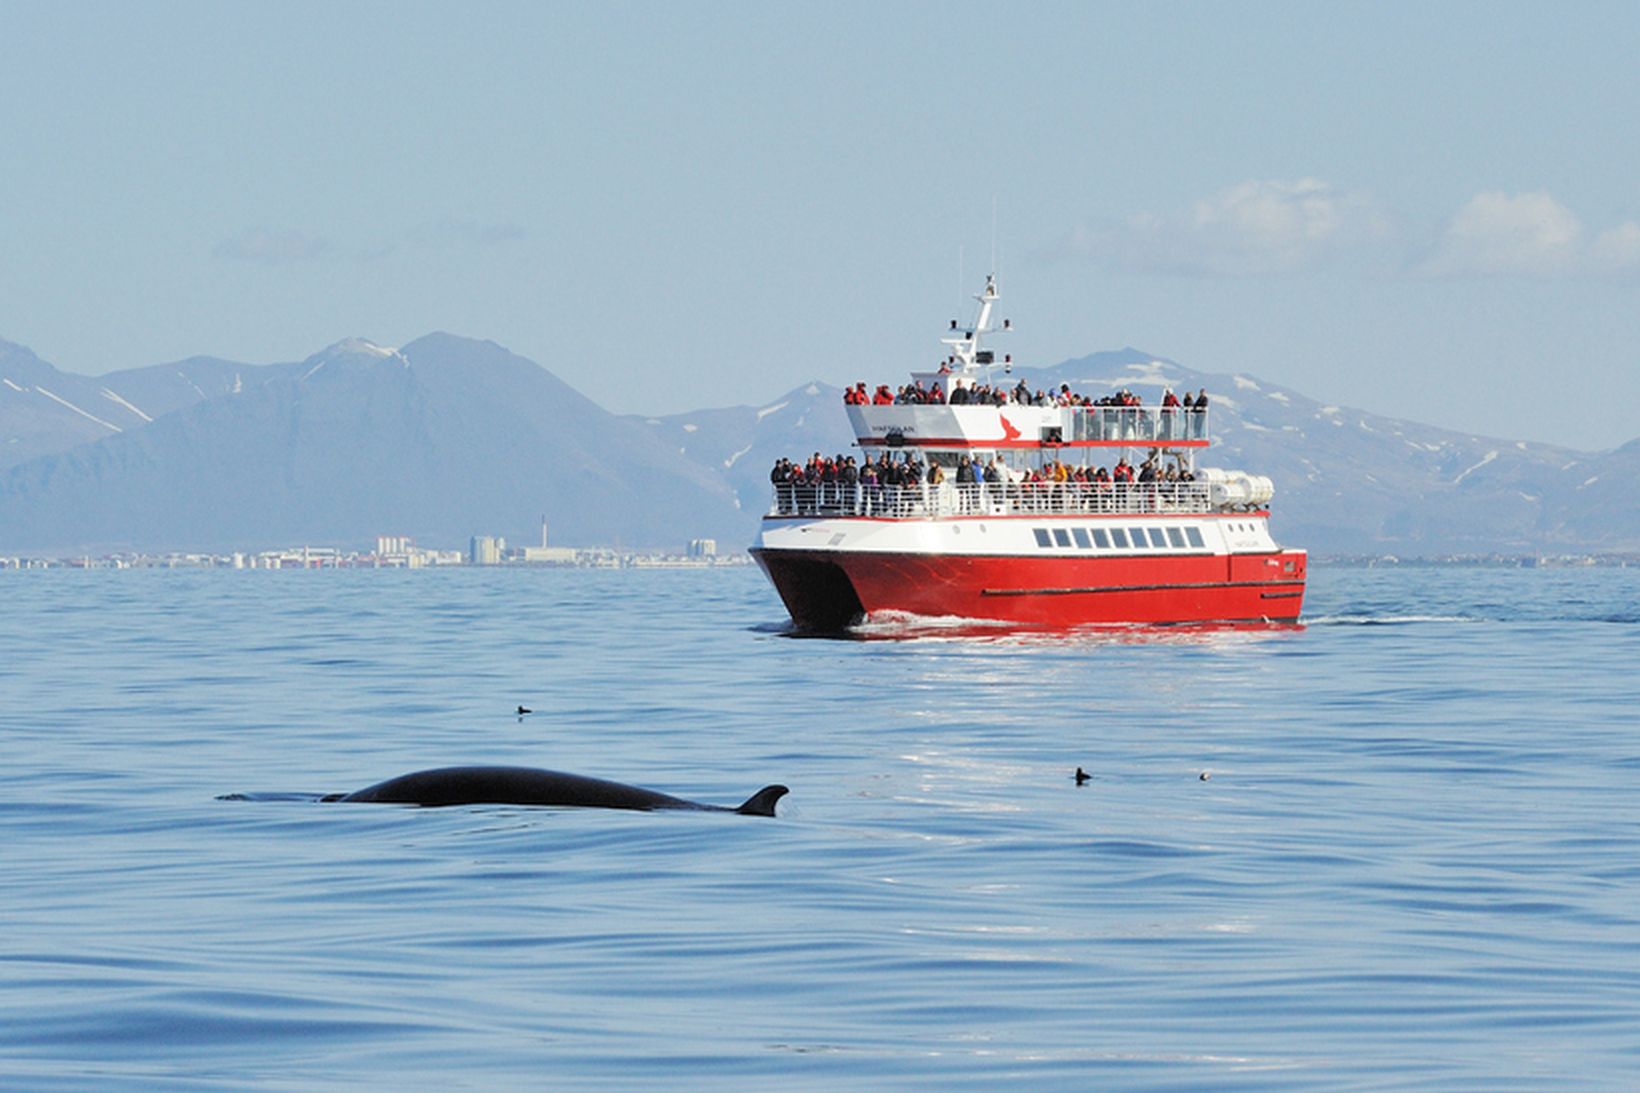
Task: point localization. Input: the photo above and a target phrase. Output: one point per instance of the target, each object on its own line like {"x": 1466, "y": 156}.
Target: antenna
{"x": 994, "y": 269}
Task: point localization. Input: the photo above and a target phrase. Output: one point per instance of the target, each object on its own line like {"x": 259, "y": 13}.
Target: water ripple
{"x": 1412, "y": 863}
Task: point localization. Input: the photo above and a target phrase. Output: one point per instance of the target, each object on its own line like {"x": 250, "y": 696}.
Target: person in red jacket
{"x": 1170, "y": 407}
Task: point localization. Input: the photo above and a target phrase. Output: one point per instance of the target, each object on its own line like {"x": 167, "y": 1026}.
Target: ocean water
{"x": 1415, "y": 861}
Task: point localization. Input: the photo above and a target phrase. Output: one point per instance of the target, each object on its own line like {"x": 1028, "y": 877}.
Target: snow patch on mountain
{"x": 112, "y": 397}
{"x": 77, "y": 410}
{"x": 365, "y": 347}
{"x": 1152, "y": 373}
{"x": 1487, "y": 458}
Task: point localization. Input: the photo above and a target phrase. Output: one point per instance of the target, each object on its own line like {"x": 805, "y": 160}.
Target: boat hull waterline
{"x": 833, "y": 590}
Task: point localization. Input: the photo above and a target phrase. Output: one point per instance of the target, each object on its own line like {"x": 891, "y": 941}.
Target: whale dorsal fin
{"x": 762, "y": 802}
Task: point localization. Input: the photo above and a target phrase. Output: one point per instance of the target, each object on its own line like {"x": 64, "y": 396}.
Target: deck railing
{"x": 1136, "y": 423}
{"x": 1014, "y": 425}
{"x": 990, "y": 499}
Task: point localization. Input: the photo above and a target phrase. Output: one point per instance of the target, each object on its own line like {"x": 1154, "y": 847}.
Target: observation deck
{"x": 1021, "y": 425}
{"x": 1217, "y": 491}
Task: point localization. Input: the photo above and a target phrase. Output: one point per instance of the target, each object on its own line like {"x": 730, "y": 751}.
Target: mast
{"x": 965, "y": 344}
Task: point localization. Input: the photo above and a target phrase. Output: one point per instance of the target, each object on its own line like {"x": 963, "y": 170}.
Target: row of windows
{"x": 1122, "y": 538}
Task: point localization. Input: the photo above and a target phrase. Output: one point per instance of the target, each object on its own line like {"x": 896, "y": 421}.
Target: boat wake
{"x": 1386, "y": 620}
{"x": 1502, "y": 616}
{"x": 908, "y": 626}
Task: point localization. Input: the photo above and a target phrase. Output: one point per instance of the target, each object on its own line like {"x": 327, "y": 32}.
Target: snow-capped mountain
{"x": 450, "y": 437}
{"x": 442, "y": 439}
{"x": 44, "y": 411}
{"x": 1348, "y": 481}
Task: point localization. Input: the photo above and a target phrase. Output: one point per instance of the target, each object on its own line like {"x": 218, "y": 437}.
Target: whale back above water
{"x": 531, "y": 786}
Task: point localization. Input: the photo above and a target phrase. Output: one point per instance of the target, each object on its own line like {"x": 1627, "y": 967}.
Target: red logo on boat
{"x": 1008, "y": 430}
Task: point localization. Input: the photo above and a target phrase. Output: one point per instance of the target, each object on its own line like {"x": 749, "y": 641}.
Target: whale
{"x": 445, "y": 786}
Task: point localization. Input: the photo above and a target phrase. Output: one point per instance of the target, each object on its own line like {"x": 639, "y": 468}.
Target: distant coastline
{"x": 307, "y": 557}
{"x": 612, "y": 558}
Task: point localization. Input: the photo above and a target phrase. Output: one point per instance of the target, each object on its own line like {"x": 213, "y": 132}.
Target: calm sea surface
{"x": 1416, "y": 861}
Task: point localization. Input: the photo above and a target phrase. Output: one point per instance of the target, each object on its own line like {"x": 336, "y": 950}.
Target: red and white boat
{"x": 1192, "y": 546}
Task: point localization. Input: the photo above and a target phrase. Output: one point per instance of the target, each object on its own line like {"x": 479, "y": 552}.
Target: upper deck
{"x": 1018, "y": 425}
{"x": 956, "y": 407}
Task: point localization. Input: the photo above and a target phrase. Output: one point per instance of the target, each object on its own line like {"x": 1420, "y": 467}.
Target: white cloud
{"x": 466, "y": 233}
{"x": 261, "y": 245}
{"x": 276, "y": 248}
{"x": 1616, "y": 250}
{"x": 1529, "y": 235}
{"x": 1274, "y": 227}
{"x": 1498, "y": 233}
{"x": 1254, "y": 227}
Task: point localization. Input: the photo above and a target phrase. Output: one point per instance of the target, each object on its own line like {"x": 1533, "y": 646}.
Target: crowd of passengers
{"x": 878, "y": 484}
{"x": 982, "y": 394}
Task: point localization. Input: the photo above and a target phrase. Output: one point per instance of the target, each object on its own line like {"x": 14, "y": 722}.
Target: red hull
{"x": 830, "y": 590}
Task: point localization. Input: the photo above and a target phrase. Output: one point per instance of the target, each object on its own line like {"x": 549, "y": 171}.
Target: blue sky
{"x": 1426, "y": 210}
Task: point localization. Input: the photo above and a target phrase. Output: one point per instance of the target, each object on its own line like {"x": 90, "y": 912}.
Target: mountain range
{"x": 448, "y": 437}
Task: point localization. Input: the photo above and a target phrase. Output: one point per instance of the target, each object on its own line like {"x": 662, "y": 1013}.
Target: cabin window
{"x": 1176, "y": 537}
{"x": 1100, "y": 539}
{"x": 1042, "y": 539}
{"x": 1138, "y": 535}
{"x": 1120, "y": 537}
{"x": 1081, "y": 537}
{"x": 1195, "y": 537}
{"x": 1062, "y": 537}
